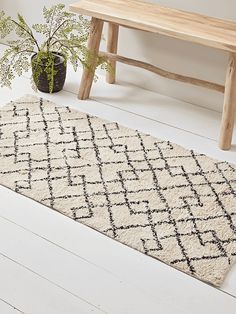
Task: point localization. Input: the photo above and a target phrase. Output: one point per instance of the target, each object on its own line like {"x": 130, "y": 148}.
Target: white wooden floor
{"x": 51, "y": 265}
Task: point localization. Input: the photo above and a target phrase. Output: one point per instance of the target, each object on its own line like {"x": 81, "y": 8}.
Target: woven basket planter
{"x": 59, "y": 78}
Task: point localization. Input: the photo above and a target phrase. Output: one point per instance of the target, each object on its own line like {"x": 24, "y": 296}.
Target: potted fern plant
{"x": 45, "y": 48}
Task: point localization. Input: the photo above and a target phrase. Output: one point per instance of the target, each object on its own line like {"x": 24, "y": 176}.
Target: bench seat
{"x": 154, "y": 18}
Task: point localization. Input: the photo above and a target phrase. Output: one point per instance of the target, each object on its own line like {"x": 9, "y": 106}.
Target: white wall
{"x": 171, "y": 54}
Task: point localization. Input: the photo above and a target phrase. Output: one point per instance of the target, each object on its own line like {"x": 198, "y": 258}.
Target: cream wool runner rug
{"x": 166, "y": 201}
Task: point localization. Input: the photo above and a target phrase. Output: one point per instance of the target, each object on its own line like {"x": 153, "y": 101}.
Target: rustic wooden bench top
{"x": 154, "y": 18}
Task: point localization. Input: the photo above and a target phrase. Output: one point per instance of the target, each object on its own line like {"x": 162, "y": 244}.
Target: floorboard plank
{"x": 33, "y": 295}
{"x": 74, "y": 274}
{"x": 7, "y": 308}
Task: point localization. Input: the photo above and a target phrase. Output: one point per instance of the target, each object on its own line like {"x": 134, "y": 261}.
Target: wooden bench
{"x": 195, "y": 28}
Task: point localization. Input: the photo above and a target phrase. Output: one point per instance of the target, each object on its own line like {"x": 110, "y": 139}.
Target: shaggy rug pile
{"x": 168, "y": 202}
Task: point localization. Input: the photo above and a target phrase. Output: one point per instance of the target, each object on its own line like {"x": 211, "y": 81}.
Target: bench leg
{"x": 112, "y": 44}
{"x": 229, "y": 109}
{"x": 93, "y": 47}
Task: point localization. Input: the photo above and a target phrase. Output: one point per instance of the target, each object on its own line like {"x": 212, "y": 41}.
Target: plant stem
{"x": 29, "y": 33}
{"x": 5, "y": 44}
{"x": 70, "y": 49}
{"x": 50, "y": 30}
{"x": 58, "y": 28}
{"x": 11, "y": 46}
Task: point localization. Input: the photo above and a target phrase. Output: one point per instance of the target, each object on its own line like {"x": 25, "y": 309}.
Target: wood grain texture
{"x": 93, "y": 46}
{"x": 229, "y": 109}
{"x": 154, "y": 18}
{"x": 172, "y": 76}
{"x": 112, "y": 44}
